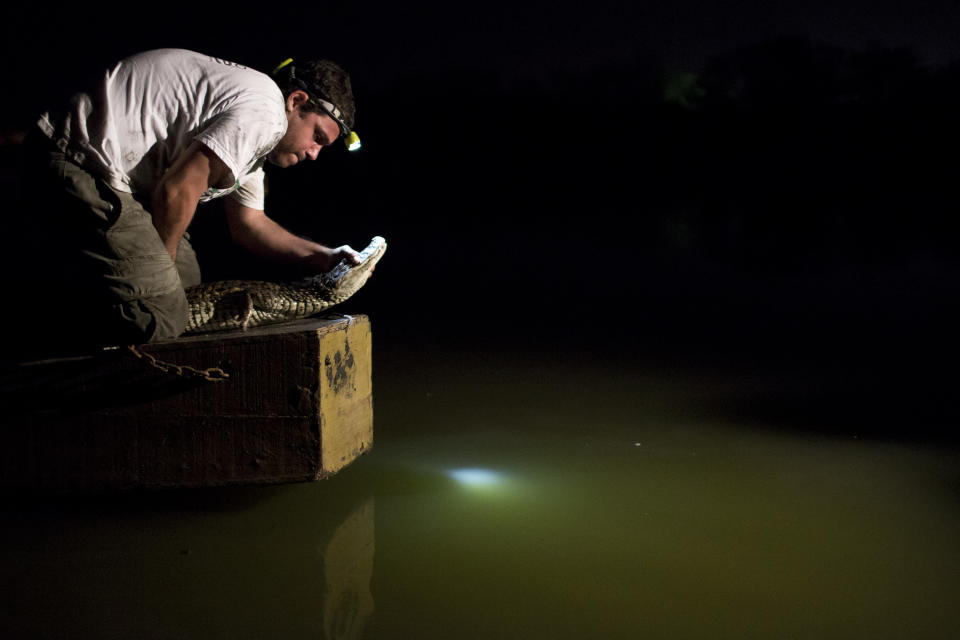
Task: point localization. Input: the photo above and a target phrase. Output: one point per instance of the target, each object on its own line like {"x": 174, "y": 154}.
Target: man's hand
{"x": 326, "y": 259}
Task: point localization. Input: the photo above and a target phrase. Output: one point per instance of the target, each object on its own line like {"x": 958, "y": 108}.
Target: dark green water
{"x": 603, "y": 502}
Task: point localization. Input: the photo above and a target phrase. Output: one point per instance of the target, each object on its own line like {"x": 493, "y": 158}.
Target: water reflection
{"x": 266, "y": 562}
{"x": 348, "y": 568}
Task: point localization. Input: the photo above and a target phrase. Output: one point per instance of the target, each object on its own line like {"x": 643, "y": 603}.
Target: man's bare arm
{"x": 254, "y": 231}
{"x": 177, "y": 195}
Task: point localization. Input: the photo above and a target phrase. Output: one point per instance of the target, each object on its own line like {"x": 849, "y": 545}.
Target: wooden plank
{"x": 297, "y": 406}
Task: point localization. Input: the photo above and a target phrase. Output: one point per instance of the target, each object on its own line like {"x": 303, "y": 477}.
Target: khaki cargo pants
{"x": 105, "y": 277}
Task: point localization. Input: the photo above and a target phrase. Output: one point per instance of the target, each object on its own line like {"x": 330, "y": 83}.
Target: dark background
{"x": 768, "y": 183}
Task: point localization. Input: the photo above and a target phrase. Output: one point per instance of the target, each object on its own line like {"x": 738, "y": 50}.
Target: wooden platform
{"x": 295, "y": 405}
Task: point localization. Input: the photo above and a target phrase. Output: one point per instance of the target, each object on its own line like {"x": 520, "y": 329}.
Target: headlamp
{"x": 352, "y": 141}
{"x": 350, "y": 137}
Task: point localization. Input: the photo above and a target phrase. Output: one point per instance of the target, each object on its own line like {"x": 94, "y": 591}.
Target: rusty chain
{"x": 210, "y": 374}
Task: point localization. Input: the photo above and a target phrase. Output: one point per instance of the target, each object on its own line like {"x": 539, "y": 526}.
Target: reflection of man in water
{"x": 114, "y": 181}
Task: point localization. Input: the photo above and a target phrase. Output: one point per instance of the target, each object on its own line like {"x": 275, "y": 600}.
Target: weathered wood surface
{"x": 297, "y": 406}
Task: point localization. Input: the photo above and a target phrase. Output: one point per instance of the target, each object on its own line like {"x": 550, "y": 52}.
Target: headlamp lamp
{"x": 350, "y": 137}
{"x": 352, "y": 141}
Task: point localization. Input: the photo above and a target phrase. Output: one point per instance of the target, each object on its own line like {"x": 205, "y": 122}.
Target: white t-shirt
{"x": 151, "y": 106}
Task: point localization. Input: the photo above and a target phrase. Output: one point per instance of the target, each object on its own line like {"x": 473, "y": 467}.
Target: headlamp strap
{"x": 282, "y": 65}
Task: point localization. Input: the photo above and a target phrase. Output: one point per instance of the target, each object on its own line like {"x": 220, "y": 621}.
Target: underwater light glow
{"x": 475, "y": 477}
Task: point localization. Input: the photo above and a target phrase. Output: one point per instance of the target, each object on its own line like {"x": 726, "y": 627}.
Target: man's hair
{"x": 321, "y": 79}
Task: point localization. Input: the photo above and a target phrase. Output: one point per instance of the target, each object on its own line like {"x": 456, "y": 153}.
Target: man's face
{"x": 307, "y": 133}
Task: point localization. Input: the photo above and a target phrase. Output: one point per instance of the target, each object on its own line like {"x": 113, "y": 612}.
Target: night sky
{"x": 385, "y": 42}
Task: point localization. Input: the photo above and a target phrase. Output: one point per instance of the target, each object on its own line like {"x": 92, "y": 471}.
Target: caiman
{"x": 241, "y": 304}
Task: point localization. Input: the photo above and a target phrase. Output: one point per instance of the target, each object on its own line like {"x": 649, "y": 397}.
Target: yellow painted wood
{"x": 346, "y": 395}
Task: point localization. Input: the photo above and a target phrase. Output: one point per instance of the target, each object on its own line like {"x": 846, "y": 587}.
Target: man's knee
{"x": 152, "y": 319}
{"x": 187, "y": 266}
